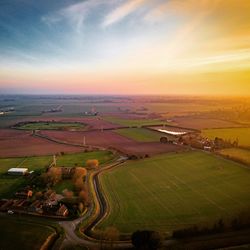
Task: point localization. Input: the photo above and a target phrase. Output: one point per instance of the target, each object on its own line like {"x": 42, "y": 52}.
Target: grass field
{"x": 9, "y": 184}
{"x": 140, "y": 134}
{"x": 52, "y": 126}
{"x": 62, "y": 185}
{"x": 133, "y": 122}
{"x": 243, "y": 134}
{"x": 242, "y": 155}
{"x": 174, "y": 191}
{"x": 17, "y": 234}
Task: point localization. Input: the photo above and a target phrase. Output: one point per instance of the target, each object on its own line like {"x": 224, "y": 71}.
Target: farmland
{"x": 203, "y": 123}
{"x": 168, "y": 187}
{"x": 110, "y": 139}
{"x": 52, "y": 126}
{"x": 20, "y": 143}
{"x": 140, "y": 134}
{"x": 238, "y": 154}
{"x": 242, "y": 134}
{"x": 10, "y": 184}
{"x": 16, "y": 234}
{"x": 134, "y": 122}
{"x": 174, "y": 191}
{"x": 80, "y": 159}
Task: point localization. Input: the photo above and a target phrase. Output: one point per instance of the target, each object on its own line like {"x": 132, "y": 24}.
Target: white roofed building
{"x": 18, "y": 171}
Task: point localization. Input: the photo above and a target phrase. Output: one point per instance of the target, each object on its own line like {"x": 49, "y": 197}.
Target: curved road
{"x": 71, "y": 238}
{"x": 70, "y": 226}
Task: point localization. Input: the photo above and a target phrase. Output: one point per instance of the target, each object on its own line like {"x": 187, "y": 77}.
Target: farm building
{"x": 18, "y": 171}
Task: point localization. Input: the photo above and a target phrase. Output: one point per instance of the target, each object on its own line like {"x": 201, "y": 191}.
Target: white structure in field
{"x": 18, "y": 171}
{"x": 172, "y": 132}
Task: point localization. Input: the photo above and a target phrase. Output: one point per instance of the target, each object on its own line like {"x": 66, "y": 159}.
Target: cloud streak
{"x": 74, "y": 14}
{"x": 123, "y": 11}
{"x": 124, "y": 41}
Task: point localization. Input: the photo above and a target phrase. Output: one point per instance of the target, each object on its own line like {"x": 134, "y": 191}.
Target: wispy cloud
{"x": 238, "y": 59}
{"x": 122, "y": 11}
{"x": 179, "y": 7}
{"x": 75, "y": 14}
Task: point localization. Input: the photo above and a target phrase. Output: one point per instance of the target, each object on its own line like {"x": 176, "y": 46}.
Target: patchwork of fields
{"x": 174, "y": 191}
{"x": 110, "y": 139}
{"x": 242, "y": 134}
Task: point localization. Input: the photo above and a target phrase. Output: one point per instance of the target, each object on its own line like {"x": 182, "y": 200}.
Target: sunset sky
{"x": 195, "y": 47}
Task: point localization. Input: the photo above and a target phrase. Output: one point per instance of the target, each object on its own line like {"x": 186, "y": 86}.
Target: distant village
{"x": 196, "y": 140}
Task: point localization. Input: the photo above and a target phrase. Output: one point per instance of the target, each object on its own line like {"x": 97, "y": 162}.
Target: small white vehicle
{"x": 10, "y": 212}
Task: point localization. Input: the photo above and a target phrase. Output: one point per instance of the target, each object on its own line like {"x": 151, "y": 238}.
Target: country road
{"x": 71, "y": 238}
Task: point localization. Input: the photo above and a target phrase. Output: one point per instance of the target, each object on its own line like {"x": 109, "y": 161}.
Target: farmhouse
{"x": 24, "y": 193}
{"x": 62, "y": 211}
{"x": 18, "y": 171}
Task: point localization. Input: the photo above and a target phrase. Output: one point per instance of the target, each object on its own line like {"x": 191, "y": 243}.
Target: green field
{"x": 17, "y": 234}
{"x": 62, "y": 185}
{"x": 242, "y": 155}
{"x": 140, "y": 134}
{"x": 243, "y": 134}
{"x": 52, "y": 126}
{"x": 174, "y": 191}
{"x": 9, "y": 184}
{"x": 133, "y": 122}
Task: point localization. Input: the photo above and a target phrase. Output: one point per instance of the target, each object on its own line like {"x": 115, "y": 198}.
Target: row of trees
{"x": 81, "y": 188}
{"x": 146, "y": 240}
{"x": 242, "y": 221}
{"x": 142, "y": 240}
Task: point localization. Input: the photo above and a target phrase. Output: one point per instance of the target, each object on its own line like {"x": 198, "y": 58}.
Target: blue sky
{"x": 37, "y": 31}
{"x": 94, "y": 46}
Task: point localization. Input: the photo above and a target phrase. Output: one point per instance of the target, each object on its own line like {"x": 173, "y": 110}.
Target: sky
{"x": 184, "y": 47}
